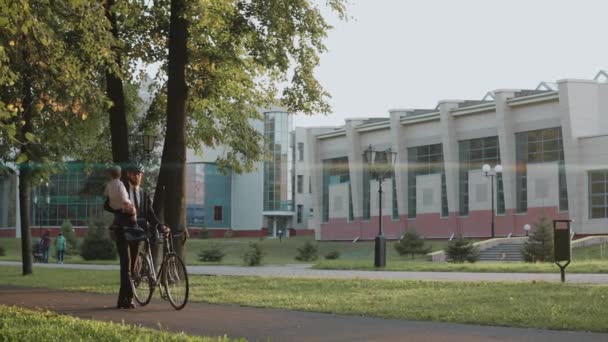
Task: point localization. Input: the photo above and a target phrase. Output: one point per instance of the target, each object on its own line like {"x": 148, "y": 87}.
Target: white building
{"x": 549, "y": 141}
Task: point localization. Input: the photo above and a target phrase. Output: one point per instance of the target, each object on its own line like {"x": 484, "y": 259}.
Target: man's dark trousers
{"x": 124, "y": 247}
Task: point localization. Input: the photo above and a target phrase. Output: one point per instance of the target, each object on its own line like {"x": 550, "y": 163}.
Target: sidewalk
{"x": 304, "y": 271}
{"x": 256, "y": 324}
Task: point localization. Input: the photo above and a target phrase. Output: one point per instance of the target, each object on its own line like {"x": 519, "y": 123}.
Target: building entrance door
{"x": 277, "y": 224}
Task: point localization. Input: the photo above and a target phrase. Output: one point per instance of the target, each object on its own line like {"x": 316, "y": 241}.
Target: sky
{"x": 413, "y": 53}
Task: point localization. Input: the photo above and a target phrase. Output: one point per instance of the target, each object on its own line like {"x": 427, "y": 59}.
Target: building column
{"x": 451, "y": 161}
{"x": 355, "y": 166}
{"x": 577, "y": 99}
{"x": 401, "y": 164}
{"x": 506, "y": 143}
{"x": 313, "y": 159}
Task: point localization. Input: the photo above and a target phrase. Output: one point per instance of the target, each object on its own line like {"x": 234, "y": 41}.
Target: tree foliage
{"x": 226, "y": 60}
{"x": 67, "y": 230}
{"x": 308, "y": 252}
{"x": 460, "y": 250}
{"x": 254, "y": 254}
{"x": 411, "y": 243}
{"x": 52, "y": 54}
{"x": 211, "y": 253}
{"x": 539, "y": 246}
{"x": 97, "y": 245}
{"x": 49, "y": 78}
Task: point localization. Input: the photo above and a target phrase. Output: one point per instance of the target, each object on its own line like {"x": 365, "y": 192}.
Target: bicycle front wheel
{"x": 175, "y": 281}
{"x": 142, "y": 279}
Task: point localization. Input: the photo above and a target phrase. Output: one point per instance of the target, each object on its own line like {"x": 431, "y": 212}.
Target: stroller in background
{"x": 37, "y": 252}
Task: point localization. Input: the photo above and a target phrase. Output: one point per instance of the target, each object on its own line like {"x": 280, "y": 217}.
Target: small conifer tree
{"x": 97, "y": 245}
{"x": 539, "y": 246}
{"x": 412, "y": 243}
{"x": 308, "y": 252}
{"x": 460, "y": 250}
{"x": 254, "y": 254}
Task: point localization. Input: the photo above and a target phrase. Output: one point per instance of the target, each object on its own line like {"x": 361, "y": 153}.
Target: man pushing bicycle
{"x": 129, "y": 235}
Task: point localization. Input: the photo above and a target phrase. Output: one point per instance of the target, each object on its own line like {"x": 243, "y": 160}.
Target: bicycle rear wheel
{"x": 142, "y": 279}
{"x": 175, "y": 281}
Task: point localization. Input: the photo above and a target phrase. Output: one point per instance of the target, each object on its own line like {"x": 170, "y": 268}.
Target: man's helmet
{"x": 135, "y": 167}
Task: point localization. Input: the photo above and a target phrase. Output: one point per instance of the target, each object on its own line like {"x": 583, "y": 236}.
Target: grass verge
{"x": 276, "y": 251}
{"x": 536, "y": 304}
{"x": 591, "y": 266}
{"x": 18, "y": 324}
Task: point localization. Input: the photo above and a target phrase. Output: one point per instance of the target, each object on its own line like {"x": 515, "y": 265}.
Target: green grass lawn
{"x": 585, "y": 266}
{"x": 595, "y": 252}
{"x": 536, "y": 304}
{"x": 18, "y": 324}
{"x": 277, "y": 252}
{"x": 284, "y": 252}
{"x": 358, "y": 255}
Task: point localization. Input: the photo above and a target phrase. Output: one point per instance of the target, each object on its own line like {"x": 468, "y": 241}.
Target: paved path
{"x": 305, "y": 271}
{"x": 272, "y": 324}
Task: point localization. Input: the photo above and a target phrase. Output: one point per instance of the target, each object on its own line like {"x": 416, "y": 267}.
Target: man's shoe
{"x": 126, "y": 306}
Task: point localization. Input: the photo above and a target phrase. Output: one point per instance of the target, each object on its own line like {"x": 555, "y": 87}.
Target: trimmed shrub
{"x": 204, "y": 233}
{"x": 539, "y": 246}
{"x": 460, "y": 250}
{"x": 254, "y": 254}
{"x": 67, "y": 230}
{"x": 308, "y": 252}
{"x": 97, "y": 245}
{"x": 228, "y": 234}
{"x": 2, "y": 251}
{"x": 411, "y": 243}
{"x": 332, "y": 255}
{"x": 213, "y": 253}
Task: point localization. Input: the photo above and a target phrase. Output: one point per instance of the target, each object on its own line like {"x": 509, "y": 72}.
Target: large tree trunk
{"x": 114, "y": 88}
{"x": 172, "y": 169}
{"x": 25, "y": 170}
{"x": 24, "y": 215}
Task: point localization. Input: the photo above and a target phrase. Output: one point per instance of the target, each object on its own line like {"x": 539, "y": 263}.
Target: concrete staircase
{"x": 505, "y": 251}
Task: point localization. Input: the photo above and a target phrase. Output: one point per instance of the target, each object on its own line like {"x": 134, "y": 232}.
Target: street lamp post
{"x": 487, "y": 170}
{"x": 148, "y": 142}
{"x": 48, "y": 203}
{"x": 36, "y": 210}
{"x": 527, "y": 228}
{"x": 388, "y": 160}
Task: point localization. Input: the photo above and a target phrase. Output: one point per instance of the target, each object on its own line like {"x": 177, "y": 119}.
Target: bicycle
{"x": 172, "y": 276}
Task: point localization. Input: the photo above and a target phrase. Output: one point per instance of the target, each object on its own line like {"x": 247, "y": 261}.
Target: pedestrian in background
{"x": 60, "y": 247}
{"x": 45, "y": 245}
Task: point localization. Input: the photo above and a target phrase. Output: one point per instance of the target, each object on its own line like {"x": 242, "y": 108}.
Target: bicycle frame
{"x": 167, "y": 251}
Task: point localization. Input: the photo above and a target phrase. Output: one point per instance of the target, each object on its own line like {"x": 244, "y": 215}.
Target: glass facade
{"x": 70, "y": 195}
{"x": 195, "y": 195}
{"x": 300, "y": 151}
{"x": 300, "y": 184}
{"x": 425, "y": 160}
{"x": 208, "y": 196}
{"x": 299, "y": 210}
{"x": 8, "y": 200}
{"x": 598, "y": 194}
{"x": 278, "y": 182}
{"x": 474, "y": 154}
{"x": 540, "y": 146}
{"x": 335, "y": 171}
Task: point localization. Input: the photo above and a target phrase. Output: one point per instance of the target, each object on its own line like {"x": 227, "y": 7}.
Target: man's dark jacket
{"x": 146, "y": 218}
